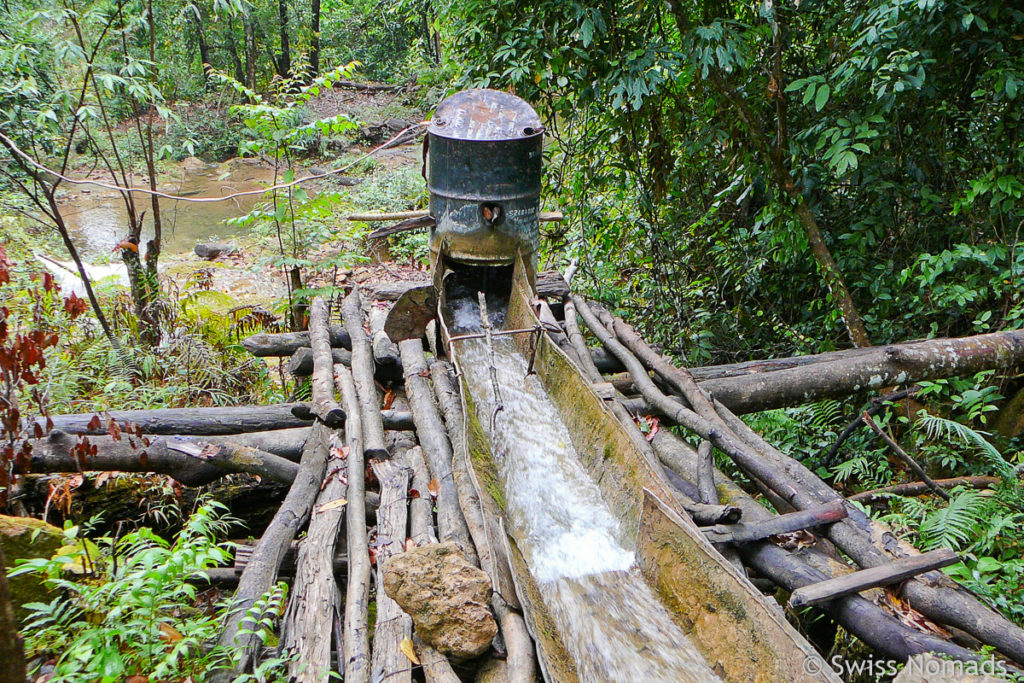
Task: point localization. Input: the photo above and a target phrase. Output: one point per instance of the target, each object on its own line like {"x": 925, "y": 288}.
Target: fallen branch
{"x": 877, "y": 404}
{"x": 902, "y": 455}
{"x": 917, "y": 488}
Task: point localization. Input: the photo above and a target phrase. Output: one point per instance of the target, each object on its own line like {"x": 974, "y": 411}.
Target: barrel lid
{"x": 481, "y": 114}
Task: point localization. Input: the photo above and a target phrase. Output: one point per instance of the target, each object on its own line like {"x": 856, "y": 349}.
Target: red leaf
{"x": 113, "y": 429}
{"x": 94, "y": 423}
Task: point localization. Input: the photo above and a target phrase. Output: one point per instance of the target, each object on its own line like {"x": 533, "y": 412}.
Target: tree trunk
{"x": 314, "y": 50}
{"x": 205, "y": 60}
{"x": 250, "y": 49}
{"x": 284, "y": 60}
{"x": 236, "y": 61}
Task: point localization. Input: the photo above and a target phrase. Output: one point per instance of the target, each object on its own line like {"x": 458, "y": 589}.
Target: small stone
{"x": 446, "y": 596}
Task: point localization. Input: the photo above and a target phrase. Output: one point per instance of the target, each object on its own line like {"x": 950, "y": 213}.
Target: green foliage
{"x": 132, "y": 612}
{"x": 895, "y": 119}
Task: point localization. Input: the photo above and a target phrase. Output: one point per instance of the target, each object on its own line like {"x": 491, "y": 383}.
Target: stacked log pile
{"x": 371, "y": 474}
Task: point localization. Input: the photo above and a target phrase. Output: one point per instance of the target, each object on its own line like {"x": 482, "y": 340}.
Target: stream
{"x": 97, "y": 218}
{"x": 611, "y": 622}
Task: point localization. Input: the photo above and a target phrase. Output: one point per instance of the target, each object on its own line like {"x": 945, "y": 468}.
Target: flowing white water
{"x": 611, "y": 622}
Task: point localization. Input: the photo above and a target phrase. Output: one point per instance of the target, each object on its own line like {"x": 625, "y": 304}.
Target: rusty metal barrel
{"x": 484, "y": 177}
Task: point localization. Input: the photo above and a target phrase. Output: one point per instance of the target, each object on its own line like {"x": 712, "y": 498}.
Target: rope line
{"x": 13, "y": 148}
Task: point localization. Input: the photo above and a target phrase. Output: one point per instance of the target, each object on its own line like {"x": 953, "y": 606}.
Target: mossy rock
{"x": 24, "y": 538}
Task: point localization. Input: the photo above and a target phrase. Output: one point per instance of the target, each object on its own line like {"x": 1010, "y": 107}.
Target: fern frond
{"x": 940, "y": 427}
{"x": 955, "y": 525}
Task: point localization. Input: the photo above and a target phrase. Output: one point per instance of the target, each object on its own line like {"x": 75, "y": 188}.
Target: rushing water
{"x": 611, "y": 622}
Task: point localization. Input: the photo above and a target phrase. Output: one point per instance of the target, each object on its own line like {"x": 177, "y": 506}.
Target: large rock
{"x": 212, "y": 250}
{"x": 446, "y": 596}
{"x": 24, "y": 538}
{"x": 194, "y": 164}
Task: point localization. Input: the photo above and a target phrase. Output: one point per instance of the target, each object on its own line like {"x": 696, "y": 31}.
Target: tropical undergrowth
{"x": 950, "y": 431}
{"x": 138, "y": 605}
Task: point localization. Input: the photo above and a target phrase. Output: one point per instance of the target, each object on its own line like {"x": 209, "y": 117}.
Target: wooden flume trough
{"x": 742, "y": 636}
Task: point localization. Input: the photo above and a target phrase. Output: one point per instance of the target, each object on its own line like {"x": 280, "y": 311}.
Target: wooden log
{"x": 888, "y": 636}
{"x": 301, "y": 362}
{"x": 421, "y": 507}
{"x": 362, "y": 375}
{"x": 291, "y": 558}
{"x": 705, "y": 475}
{"x": 385, "y": 352}
{"x": 917, "y": 488}
{"x": 783, "y": 524}
{"x": 885, "y": 575}
{"x": 312, "y": 603}
{"x": 871, "y": 544}
{"x": 324, "y": 405}
{"x": 261, "y": 571}
{"x": 868, "y": 543}
{"x": 190, "y": 421}
{"x": 391, "y": 419}
{"x": 356, "y": 665}
{"x": 436, "y": 448}
{"x": 392, "y": 624}
{"x": 174, "y": 456}
{"x": 287, "y": 343}
{"x": 234, "y": 458}
{"x": 869, "y": 369}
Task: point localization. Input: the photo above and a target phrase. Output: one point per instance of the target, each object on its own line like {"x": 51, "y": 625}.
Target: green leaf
{"x": 821, "y": 99}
